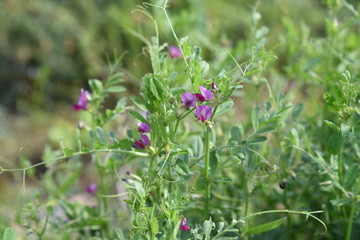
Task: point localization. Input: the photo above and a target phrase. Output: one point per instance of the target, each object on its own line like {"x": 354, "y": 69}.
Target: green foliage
{"x": 222, "y": 176}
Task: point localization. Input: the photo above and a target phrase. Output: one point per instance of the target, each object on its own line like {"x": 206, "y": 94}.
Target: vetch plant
{"x": 234, "y": 172}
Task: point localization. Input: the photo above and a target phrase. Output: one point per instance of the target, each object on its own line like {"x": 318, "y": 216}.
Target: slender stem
{"x": 353, "y": 210}
{"x": 340, "y": 166}
{"x": 173, "y": 31}
{"x": 140, "y": 154}
{"x": 170, "y": 177}
{"x": 206, "y": 173}
{"x": 246, "y": 210}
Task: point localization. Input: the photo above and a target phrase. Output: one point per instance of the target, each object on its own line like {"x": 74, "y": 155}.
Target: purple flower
{"x": 82, "y": 104}
{"x": 144, "y": 142}
{"x": 147, "y": 114}
{"x": 203, "y": 113}
{"x": 205, "y": 94}
{"x": 183, "y": 225}
{"x": 143, "y": 128}
{"x": 213, "y": 86}
{"x": 188, "y": 100}
{"x": 174, "y": 52}
{"x": 91, "y": 189}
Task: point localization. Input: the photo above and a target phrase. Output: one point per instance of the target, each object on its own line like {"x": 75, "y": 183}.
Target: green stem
{"x": 140, "y": 154}
{"x": 340, "y": 166}
{"x": 246, "y": 194}
{"x": 206, "y": 173}
{"x": 352, "y": 211}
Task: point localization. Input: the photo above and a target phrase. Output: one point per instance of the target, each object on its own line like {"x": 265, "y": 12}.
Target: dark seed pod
{"x": 282, "y": 185}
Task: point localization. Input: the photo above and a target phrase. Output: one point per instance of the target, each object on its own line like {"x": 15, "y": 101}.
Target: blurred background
{"x": 50, "y": 48}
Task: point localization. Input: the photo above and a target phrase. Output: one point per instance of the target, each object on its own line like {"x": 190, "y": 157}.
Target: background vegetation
{"x": 49, "y": 50}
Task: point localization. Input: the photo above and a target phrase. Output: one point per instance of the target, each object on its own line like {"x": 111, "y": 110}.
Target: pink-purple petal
{"x": 145, "y": 139}
{"x": 183, "y": 225}
{"x": 174, "y": 52}
{"x": 143, "y": 128}
{"x": 199, "y": 97}
{"x": 206, "y": 93}
{"x": 188, "y": 100}
{"x": 203, "y": 112}
{"x": 82, "y": 102}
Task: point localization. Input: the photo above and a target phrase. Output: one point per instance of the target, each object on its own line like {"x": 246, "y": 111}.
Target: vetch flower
{"x": 205, "y": 94}
{"x": 143, "y": 128}
{"x": 82, "y": 104}
{"x": 147, "y": 114}
{"x": 188, "y": 100}
{"x": 203, "y": 112}
{"x": 183, "y": 225}
{"x": 213, "y": 86}
{"x": 144, "y": 142}
{"x": 174, "y": 52}
{"x": 91, "y": 189}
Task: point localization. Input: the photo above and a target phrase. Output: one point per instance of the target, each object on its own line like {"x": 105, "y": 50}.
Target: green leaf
{"x": 181, "y": 164}
{"x": 207, "y": 228}
{"x": 350, "y": 176}
{"x": 119, "y": 234}
{"x": 224, "y": 107}
{"x": 333, "y": 126}
{"x": 154, "y": 89}
{"x": 96, "y": 86}
{"x": 115, "y": 89}
{"x": 197, "y": 145}
{"x": 263, "y": 130}
{"x": 140, "y": 190}
{"x": 101, "y": 136}
{"x": 257, "y": 140}
{"x": 346, "y": 130}
{"x": 264, "y": 227}
{"x": 255, "y": 116}
{"x": 138, "y": 102}
{"x": 66, "y": 151}
{"x": 340, "y": 202}
{"x": 213, "y": 162}
{"x": 235, "y": 134}
{"x": 68, "y": 182}
{"x": 138, "y": 116}
{"x": 335, "y": 143}
{"x": 114, "y": 79}
{"x": 153, "y": 221}
{"x": 9, "y": 234}
{"x": 252, "y": 72}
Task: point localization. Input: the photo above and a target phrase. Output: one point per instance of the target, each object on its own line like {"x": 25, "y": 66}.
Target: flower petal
{"x": 143, "y": 128}
{"x": 145, "y": 139}
{"x": 174, "y": 52}
{"x": 206, "y": 93}
{"x": 188, "y": 100}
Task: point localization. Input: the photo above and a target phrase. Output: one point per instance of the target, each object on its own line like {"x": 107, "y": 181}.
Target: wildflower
{"x": 213, "y": 86}
{"x": 82, "y": 104}
{"x": 188, "y": 100}
{"x": 174, "y": 52}
{"x": 91, "y": 189}
{"x": 205, "y": 94}
{"x": 143, "y": 128}
{"x": 147, "y": 114}
{"x": 144, "y": 142}
{"x": 203, "y": 112}
{"x": 183, "y": 225}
